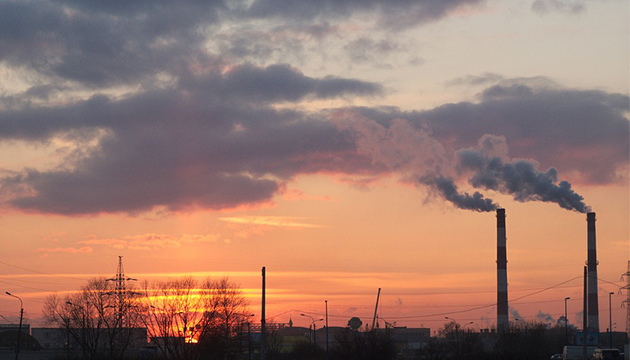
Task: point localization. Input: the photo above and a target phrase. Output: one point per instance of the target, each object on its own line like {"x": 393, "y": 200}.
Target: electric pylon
{"x": 120, "y": 292}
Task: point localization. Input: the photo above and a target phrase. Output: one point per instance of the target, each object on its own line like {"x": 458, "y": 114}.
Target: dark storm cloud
{"x": 395, "y": 14}
{"x": 580, "y": 132}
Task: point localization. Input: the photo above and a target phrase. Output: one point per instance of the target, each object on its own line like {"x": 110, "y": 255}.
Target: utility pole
{"x": 566, "y": 322}
{"x": 610, "y": 317}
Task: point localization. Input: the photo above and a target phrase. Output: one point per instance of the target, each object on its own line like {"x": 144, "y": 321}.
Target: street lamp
{"x": 610, "y": 317}
{"x": 314, "y": 328}
{"x": 463, "y": 327}
{"x": 68, "y": 332}
{"x": 17, "y": 348}
{"x": 85, "y": 320}
{"x": 249, "y": 334}
{"x": 566, "y": 322}
{"x": 456, "y": 331}
{"x": 326, "y": 301}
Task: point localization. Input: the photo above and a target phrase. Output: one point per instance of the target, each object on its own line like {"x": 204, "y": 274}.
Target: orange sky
{"x": 429, "y": 259}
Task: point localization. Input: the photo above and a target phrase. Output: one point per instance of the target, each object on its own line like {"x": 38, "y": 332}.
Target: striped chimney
{"x": 502, "y": 286}
{"x": 593, "y": 307}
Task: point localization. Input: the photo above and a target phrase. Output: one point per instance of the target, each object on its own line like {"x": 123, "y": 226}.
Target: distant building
{"x": 410, "y": 338}
{"x": 57, "y": 338}
{"x": 26, "y": 328}
{"x": 53, "y": 338}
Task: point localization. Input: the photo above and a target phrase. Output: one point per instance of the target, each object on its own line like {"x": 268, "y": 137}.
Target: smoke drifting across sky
{"x": 172, "y": 107}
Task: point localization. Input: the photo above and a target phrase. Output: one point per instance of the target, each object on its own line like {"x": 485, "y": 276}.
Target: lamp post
{"x": 68, "y": 333}
{"x": 17, "y": 348}
{"x": 313, "y": 327}
{"x": 566, "y": 322}
{"x": 249, "y": 333}
{"x": 610, "y": 317}
{"x": 464, "y": 327}
{"x": 456, "y": 331}
{"x": 85, "y": 319}
{"x": 326, "y": 301}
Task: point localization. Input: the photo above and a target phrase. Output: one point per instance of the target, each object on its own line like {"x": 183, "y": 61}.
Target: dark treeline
{"x": 186, "y": 319}
{"x": 189, "y": 319}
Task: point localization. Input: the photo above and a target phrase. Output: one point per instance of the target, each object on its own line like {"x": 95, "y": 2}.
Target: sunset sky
{"x": 345, "y": 145}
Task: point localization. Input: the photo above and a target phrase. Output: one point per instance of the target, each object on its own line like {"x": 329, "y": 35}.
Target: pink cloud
{"x": 71, "y": 250}
{"x": 151, "y": 241}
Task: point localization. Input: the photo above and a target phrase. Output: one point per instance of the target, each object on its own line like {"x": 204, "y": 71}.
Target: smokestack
{"x": 593, "y": 307}
{"x": 502, "y": 291}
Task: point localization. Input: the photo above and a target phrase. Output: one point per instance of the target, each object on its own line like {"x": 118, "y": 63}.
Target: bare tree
{"x": 187, "y": 318}
{"x": 93, "y": 319}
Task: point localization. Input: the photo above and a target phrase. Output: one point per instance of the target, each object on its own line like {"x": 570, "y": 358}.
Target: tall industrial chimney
{"x": 502, "y": 291}
{"x": 593, "y": 307}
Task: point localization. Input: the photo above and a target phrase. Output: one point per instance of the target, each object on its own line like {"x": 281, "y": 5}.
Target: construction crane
{"x": 376, "y": 308}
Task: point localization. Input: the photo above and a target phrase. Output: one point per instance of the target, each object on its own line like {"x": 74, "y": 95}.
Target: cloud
{"x": 115, "y": 44}
{"x": 96, "y": 44}
{"x": 565, "y": 6}
{"x": 70, "y": 250}
{"x": 189, "y": 147}
{"x": 367, "y": 50}
{"x": 188, "y": 107}
{"x": 582, "y": 133}
{"x": 274, "y": 83}
{"x": 180, "y": 148}
{"x": 482, "y": 79}
{"x": 296, "y": 194}
{"x": 275, "y": 221}
{"x": 393, "y": 14}
{"x": 152, "y": 241}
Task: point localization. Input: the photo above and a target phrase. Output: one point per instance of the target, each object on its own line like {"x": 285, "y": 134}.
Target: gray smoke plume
{"x": 418, "y": 157}
{"x": 545, "y": 317}
{"x": 493, "y": 170}
{"x": 447, "y": 188}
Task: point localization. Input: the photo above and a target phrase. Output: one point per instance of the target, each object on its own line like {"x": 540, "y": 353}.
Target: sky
{"x": 344, "y": 145}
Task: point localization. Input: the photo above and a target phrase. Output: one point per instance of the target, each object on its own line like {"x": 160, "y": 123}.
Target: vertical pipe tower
{"x": 593, "y": 307}
{"x": 263, "y": 321}
{"x": 502, "y": 286}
